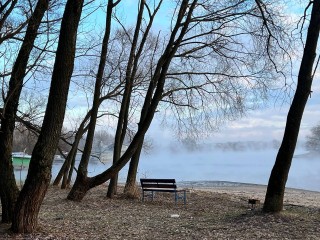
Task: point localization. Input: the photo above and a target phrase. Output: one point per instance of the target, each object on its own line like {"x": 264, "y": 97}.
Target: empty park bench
{"x": 162, "y": 185}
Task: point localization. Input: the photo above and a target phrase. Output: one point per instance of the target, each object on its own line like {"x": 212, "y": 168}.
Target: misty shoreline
{"x": 230, "y": 185}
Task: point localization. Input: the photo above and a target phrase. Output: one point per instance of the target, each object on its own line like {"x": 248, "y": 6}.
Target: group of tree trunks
{"x": 22, "y": 208}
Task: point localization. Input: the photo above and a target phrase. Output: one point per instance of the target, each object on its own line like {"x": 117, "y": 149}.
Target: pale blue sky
{"x": 266, "y": 123}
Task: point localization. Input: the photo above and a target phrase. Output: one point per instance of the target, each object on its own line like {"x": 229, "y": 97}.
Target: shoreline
{"x": 292, "y": 196}
{"x": 229, "y": 184}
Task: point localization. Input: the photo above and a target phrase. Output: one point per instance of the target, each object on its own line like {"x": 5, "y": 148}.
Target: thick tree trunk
{"x": 9, "y": 190}
{"x": 25, "y": 219}
{"x": 39, "y": 174}
{"x": 278, "y": 178}
{"x": 79, "y": 188}
{"x": 130, "y": 187}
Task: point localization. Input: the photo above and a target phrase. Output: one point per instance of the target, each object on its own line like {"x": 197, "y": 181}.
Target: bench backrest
{"x": 158, "y": 183}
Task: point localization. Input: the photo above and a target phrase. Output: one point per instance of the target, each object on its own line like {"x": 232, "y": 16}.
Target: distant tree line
{"x": 313, "y": 139}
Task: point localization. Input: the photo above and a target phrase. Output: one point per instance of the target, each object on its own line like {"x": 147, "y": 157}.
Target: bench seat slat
{"x": 154, "y": 180}
{"x": 154, "y": 185}
{"x": 160, "y": 190}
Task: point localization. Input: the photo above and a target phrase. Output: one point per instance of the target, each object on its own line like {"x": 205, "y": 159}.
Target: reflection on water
{"x": 246, "y": 167}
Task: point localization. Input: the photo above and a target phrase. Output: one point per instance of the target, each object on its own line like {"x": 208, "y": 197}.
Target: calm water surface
{"x": 245, "y": 167}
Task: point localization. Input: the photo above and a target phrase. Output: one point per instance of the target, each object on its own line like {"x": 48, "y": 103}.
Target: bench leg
{"x": 175, "y": 197}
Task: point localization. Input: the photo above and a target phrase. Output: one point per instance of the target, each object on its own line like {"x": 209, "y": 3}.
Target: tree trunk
{"x": 66, "y": 182}
{"x": 25, "y": 219}
{"x": 278, "y": 178}
{"x": 39, "y": 174}
{"x": 61, "y": 172}
{"x": 79, "y": 188}
{"x": 64, "y": 170}
{"x": 130, "y": 187}
{"x": 68, "y": 171}
{"x": 67, "y": 165}
{"x": 83, "y": 166}
{"x": 9, "y": 190}
{"x": 130, "y": 76}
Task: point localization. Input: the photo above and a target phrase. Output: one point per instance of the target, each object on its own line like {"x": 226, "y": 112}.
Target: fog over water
{"x": 241, "y": 166}
{"x": 246, "y": 166}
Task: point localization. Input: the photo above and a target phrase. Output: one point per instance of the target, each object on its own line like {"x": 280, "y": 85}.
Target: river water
{"x": 214, "y": 166}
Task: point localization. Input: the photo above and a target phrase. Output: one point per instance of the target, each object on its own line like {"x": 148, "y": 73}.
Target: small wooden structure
{"x": 254, "y": 202}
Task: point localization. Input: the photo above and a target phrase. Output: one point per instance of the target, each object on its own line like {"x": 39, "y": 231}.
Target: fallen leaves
{"x": 207, "y": 215}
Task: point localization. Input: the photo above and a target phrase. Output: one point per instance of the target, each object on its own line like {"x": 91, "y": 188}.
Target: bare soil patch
{"x": 215, "y": 213}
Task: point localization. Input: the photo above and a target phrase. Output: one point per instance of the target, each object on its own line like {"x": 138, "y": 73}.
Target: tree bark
{"x": 25, "y": 218}
{"x": 278, "y": 178}
{"x": 61, "y": 172}
{"x": 9, "y": 190}
{"x": 67, "y": 165}
{"x": 130, "y": 187}
{"x": 67, "y": 174}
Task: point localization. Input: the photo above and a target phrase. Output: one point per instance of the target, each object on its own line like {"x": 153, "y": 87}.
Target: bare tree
{"x": 27, "y": 207}
{"x": 279, "y": 174}
{"x": 130, "y": 75}
{"x": 83, "y": 166}
{"x": 9, "y": 190}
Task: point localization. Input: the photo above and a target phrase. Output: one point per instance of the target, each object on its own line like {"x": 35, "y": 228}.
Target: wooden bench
{"x": 162, "y": 185}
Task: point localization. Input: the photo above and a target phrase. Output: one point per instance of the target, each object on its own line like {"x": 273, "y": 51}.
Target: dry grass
{"x": 207, "y": 215}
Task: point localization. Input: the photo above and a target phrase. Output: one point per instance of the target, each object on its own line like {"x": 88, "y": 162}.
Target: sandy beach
{"x": 216, "y": 211}
{"x": 292, "y": 196}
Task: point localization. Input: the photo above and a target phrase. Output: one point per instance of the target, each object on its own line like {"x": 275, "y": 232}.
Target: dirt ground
{"x": 210, "y": 213}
